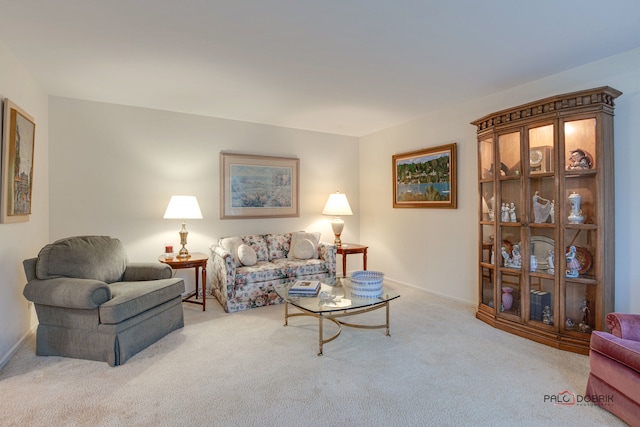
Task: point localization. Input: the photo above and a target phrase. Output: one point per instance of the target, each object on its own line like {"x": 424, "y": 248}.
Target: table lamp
{"x": 337, "y": 205}
{"x": 183, "y": 207}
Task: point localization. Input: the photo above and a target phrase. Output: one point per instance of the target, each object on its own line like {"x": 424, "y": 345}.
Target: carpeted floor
{"x": 439, "y": 367}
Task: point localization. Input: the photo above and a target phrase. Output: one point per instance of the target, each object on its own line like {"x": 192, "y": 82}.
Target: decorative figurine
{"x": 541, "y": 208}
{"x": 569, "y": 324}
{"x": 546, "y": 315}
{"x": 573, "y": 265}
{"x": 506, "y": 257}
{"x": 515, "y": 260}
{"x": 504, "y": 213}
{"x": 512, "y": 212}
{"x": 534, "y": 263}
{"x": 575, "y": 217}
{"x": 551, "y": 261}
{"x": 552, "y": 212}
{"x": 584, "y": 325}
{"x": 579, "y": 159}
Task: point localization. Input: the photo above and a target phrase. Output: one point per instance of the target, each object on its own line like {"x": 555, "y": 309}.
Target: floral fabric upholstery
{"x": 239, "y": 288}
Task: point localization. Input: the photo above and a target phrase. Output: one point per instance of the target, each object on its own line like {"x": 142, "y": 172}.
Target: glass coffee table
{"x": 333, "y": 302}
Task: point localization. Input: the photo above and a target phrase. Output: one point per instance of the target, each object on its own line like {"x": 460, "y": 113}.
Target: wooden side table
{"x": 196, "y": 260}
{"x": 351, "y": 248}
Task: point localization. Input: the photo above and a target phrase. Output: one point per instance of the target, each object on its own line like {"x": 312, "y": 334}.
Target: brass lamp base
{"x": 184, "y": 253}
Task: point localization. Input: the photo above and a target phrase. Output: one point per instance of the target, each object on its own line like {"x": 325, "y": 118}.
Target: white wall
{"x": 114, "y": 168}
{"x": 437, "y": 249}
{"x": 22, "y": 240}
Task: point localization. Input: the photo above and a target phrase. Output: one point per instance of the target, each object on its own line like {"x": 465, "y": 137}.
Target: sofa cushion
{"x": 278, "y": 245}
{"x": 231, "y": 245}
{"x": 299, "y": 236}
{"x": 84, "y": 257}
{"x": 247, "y": 255}
{"x": 129, "y": 299}
{"x": 301, "y": 267}
{"x": 261, "y": 271}
{"x": 258, "y": 244}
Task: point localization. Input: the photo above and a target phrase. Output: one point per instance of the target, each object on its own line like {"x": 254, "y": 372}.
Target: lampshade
{"x": 183, "y": 207}
{"x": 337, "y": 205}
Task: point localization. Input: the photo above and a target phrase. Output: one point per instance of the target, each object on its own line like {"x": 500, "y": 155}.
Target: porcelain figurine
{"x": 573, "y": 265}
{"x": 512, "y": 212}
{"x": 541, "y": 208}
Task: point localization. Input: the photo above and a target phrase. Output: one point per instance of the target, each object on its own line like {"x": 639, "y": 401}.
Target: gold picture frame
{"x": 425, "y": 178}
{"x": 253, "y": 186}
{"x": 18, "y": 139}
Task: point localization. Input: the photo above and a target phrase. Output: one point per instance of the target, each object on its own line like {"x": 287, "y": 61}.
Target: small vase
{"x": 507, "y": 298}
{"x": 575, "y": 217}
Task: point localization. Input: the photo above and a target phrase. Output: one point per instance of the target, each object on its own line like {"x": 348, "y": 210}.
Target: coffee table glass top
{"x": 334, "y": 295}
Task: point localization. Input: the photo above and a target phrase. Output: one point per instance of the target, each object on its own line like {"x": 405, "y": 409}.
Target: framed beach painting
{"x": 258, "y": 186}
{"x": 18, "y": 138}
{"x": 425, "y": 178}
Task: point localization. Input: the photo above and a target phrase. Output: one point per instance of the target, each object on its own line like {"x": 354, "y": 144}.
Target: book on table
{"x": 305, "y": 287}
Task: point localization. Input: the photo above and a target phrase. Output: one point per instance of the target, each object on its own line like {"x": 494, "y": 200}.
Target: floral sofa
{"x": 244, "y": 269}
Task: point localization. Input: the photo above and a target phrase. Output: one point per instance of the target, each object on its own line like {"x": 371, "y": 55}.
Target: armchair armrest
{"x": 625, "y": 326}
{"x": 68, "y": 292}
{"x": 142, "y": 271}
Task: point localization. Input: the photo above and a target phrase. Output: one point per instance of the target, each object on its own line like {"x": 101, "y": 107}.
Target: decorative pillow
{"x": 231, "y": 245}
{"x": 246, "y": 255}
{"x": 304, "y": 249}
{"x": 299, "y": 236}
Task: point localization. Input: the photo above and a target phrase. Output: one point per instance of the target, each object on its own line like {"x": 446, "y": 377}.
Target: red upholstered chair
{"x": 614, "y": 380}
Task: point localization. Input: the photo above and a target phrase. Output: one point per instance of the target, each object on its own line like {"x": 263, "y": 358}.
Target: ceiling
{"x": 349, "y": 67}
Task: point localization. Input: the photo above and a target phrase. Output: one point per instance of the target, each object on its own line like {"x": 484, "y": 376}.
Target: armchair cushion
{"x": 86, "y": 257}
{"x": 137, "y": 271}
{"x": 625, "y": 352}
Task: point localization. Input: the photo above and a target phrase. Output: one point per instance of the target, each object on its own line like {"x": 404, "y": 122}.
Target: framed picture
{"x": 18, "y": 137}
{"x": 425, "y": 178}
{"x": 258, "y": 186}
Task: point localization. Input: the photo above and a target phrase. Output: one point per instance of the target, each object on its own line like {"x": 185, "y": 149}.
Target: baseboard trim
{"x": 7, "y": 357}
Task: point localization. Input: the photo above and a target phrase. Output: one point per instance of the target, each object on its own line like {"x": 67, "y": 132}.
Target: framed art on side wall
{"x": 258, "y": 186}
{"x": 425, "y": 178}
{"x": 18, "y": 138}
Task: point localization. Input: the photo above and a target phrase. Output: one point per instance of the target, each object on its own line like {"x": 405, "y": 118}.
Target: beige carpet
{"x": 439, "y": 367}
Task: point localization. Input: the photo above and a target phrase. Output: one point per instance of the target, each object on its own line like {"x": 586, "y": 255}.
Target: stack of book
{"x": 305, "y": 287}
{"x": 539, "y": 300}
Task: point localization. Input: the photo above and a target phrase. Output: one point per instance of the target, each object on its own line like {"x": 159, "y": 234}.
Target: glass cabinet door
{"x": 486, "y": 155}
{"x": 580, "y": 224}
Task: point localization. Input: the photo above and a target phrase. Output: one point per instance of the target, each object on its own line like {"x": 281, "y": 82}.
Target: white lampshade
{"x": 183, "y": 207}
{"x": 337, "y": 205}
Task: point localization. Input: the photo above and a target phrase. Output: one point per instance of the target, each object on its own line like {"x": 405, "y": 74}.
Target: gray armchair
{"x": 93, "y": 304}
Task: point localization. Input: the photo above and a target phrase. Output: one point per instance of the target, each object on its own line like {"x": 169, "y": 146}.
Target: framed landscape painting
{"x": 18, "y": 138}
{"x": 425, "y": 178}
{"x": 258, "y": 186}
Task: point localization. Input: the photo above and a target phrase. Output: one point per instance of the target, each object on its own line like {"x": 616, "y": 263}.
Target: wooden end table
{"x": 196, "y": 260}
{"x": 352, "y": 248}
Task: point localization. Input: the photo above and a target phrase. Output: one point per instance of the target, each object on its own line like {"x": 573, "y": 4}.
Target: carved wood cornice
{"x": 601, "y": 98}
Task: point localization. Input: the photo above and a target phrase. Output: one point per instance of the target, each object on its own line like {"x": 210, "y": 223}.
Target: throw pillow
{"x": 231, "y": 245}
{"x": 247, "y": 255}
{"x": 299, "y": 236}
{"x": 304, "y": 249}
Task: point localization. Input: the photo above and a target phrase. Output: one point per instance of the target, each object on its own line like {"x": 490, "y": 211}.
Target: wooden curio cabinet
{"x": 546, "y": 218}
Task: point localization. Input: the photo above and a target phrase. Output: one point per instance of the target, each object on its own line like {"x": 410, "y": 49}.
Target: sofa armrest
{"x": 623, "y": 325}
{"x": 223, "y": 271}
{"x": 68, "y": 292}
{"x": 142, "y": 271}
{"x": 327, "y": 252}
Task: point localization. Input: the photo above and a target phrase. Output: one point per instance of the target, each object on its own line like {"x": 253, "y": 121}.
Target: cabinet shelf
{"x": 556, "y": 149}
